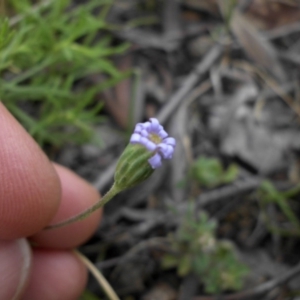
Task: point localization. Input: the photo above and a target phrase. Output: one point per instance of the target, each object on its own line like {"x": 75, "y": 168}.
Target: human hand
{"x": 35, "y": 193}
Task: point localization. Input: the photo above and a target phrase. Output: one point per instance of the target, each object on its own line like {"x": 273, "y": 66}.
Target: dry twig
{"x": 98, "y": 276}
{"x": 189, "y": 83}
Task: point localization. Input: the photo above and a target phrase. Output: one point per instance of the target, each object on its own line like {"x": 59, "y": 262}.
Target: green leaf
{"x": 209, "y": 172}
{"x": 5, "y": 33}
{"x": 230, "y": 174}
{"x": 45, "y": 60}
{"x": 184, "y": 265}
{"x": 87, "y": 295}
{"x": 169, "y": 261}
{"x": 269, "y": 194}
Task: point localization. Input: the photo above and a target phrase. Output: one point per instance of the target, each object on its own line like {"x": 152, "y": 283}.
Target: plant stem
{"x": 99, "y": 277}
{"x": 107, "y": 197}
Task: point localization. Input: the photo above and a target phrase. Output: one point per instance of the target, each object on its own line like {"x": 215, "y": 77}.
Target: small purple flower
{"x": 153, "y": 136}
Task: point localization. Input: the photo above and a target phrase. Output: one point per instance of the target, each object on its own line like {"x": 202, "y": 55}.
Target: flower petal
{"x": 135, "y": 138}
{"x": 155, "y": 139}
{"x": 170, "y": 141}
{"x": 147, "y": 125}
{"x": 165, "y": 150}
{"x": 154, "y": 121}
{"x": 144, "y": 133}
{"x": 162, "y": 134}
{"x": 155, "y": 161}
{"x": 138, "y": 127}
{"x": 155, "y": 126}
{"x": 169, "y": 155}
{"x": 147, "y": 143}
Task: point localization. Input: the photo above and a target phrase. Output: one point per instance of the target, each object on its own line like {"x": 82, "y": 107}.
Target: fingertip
{"x": 30, "y": 188}
{"x": 55, "y": 275}
{"x": 77, "y": 195}
{"x": 15, "y": 263}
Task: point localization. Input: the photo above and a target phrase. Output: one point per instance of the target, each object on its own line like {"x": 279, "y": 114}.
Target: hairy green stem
{"x": 107, "y": 197}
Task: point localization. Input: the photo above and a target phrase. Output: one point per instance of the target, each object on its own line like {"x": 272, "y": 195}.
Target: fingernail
{"x": 15, "y": 261}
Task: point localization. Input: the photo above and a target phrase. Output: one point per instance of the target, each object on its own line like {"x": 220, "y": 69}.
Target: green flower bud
{"x": 133, "y": 167}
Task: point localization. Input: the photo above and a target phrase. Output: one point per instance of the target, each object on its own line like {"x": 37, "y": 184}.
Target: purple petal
{"x": 147, "y": 125}
{"x": 154, "y": 121}
{"x": 165, "y": 150}
{"x": 162, "y": 134}
{"x": 144, "y": 133}
{"x": 155, "y": 126}
{"x": 170, "y": 152}
{"x": 135, "y": 138}
{"x": 147, "y": 143}
{"x": 170, "y": 141}
{"x": 147, "y": 134}
{"x": 155, "y": 161}
{"x": 138, "y": 127}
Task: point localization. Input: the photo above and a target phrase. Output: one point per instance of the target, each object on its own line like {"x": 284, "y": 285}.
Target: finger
{"x": 77, "y": 195}
{"x": 15, "y": 261}
{"x": 30, "y": 188}
{"x": 56, "y": 275}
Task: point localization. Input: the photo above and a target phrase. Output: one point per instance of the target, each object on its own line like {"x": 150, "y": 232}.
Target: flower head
{"x": 155, "y": 139}
{"x": 149, "y": 145}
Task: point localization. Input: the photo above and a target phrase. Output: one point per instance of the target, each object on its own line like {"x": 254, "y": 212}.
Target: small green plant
{"x": 45, "y": 61}
{"x": 209, "y": 172}
{"x": 87, "y": 295}
{"x": 195, "y": 249}
{"x": 5, "y": 34}
{"x": 269, "y": 194}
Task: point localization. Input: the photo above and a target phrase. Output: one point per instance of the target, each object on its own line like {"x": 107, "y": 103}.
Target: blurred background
{"x": 222, "y": 76}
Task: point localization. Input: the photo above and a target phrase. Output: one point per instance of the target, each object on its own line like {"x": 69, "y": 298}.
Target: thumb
{"x": 15, "y": 261}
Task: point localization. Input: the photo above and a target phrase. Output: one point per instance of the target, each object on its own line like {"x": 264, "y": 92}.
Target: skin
{"x": 34, "y": 263}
